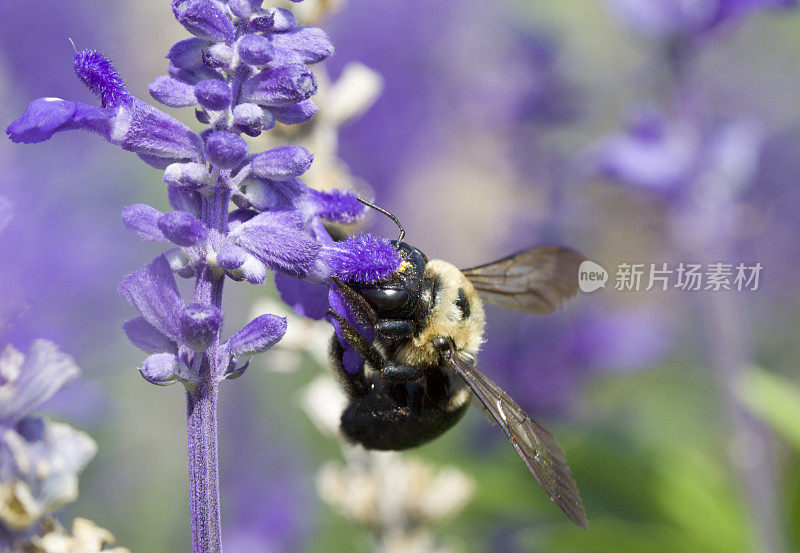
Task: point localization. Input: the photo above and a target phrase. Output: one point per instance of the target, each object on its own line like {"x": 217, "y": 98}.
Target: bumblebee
{"x": 428, "y": 322}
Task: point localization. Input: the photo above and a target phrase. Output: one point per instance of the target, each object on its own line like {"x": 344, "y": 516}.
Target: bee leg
{"x": 399, "y": 373}
{"x": 362, "y": 309}
{"x": 393, "y": 330}
{"x": 364, "y": 348}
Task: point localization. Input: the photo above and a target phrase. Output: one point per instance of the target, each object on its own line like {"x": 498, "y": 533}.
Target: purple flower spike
{"x": 172, "y": 92}
{"x": 303, "y": 44}
{"x": 182, "y": 228}
{"x": 296, "y": 114}
{"x": 282, "y": 163}
{"x": 148, "y": 338}
{"x": 204, "y": 19}
{"x": 188, "y": 53}
{"x": 281, "y": 86}
{"x": 363, "y": 258}
{"x": 143, "y": 221}
{"x": 258, "y": 335}
{"x": 213, "y": 94}
{"x": 153, "y": 292}
{"x": 200, "y": 324}
{"x": 98, "y": 74}
{"x": 225, "y": 149}
{"x": 255, "y": 50}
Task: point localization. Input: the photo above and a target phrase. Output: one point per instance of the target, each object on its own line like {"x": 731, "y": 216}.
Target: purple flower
{"x": 122, "y": 120}
{"x": 39, "y": 459}
{"x": 674, "y": 158}
{"x": 669, "y": 18}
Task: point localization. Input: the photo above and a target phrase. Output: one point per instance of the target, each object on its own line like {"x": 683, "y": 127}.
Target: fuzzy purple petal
{"x": 258, "y": 335}
{"x": 338, "y": 206}
{"x": 295, "y": 114}
{"x": 302, "y": 44}
{"x": 147, "y": 338}
{"x": 282, "y": 163}
{"x": 98, "y": 74}
{"x": 46, "y": 116}
{"x": 362, "y": 258}
{"x": 142, "y": 221}
{"x": 171, "y": 92}
{"x": 153, "y": 292}
{"x": 277, "y": 239}
{"x": 305, "y": 298}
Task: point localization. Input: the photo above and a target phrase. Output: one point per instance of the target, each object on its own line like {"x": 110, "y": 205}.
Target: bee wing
{"x": 535, "y": 281}
{"x": 538, "y": 448}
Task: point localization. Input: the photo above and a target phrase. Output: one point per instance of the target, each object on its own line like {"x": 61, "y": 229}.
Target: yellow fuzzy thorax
{"x": 445, "y": 318}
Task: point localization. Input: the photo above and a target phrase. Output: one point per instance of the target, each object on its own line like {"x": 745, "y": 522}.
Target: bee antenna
{"x": 389, "y": 215}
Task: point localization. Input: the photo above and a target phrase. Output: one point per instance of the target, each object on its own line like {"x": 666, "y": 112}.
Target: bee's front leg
{"x": 400, "y": 373}
{"x": 393, "y": 330}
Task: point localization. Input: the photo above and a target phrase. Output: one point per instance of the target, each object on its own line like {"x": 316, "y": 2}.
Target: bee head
{"x": 397, "y": 296}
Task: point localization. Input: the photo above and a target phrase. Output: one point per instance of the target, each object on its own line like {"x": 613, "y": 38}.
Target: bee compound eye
{"x": 386, "y": 299}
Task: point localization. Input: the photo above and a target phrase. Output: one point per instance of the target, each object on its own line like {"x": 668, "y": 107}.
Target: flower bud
{"x": 295, "y": 114}
{"x": 188, "y": 53}
{"x": 302, "y": 44}
{"x": 182, "y": 228}
{"x": 261, "y": 22}
{"x": 204, "y": 19}
{"x": 255, "y": 50}
{"x": 213, "y": 94}
{"x": 282, "y": 163}
{"x": 187, "y": 176}
{"x": 142, "y": 221}
{"x": 172, "y": 92}
{"x": 200, "y": 324}
{"x": 282, "y": 20}
{"x": 163, "y": 369}
{"x": 281, "y": 86}
{"x": 225, "y": 149}
{"x": 258, "y": 335}
{"x": 218, "y": 55}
